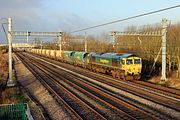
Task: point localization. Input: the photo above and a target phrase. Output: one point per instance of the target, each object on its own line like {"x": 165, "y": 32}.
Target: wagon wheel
{"x": 92, "y": 68}
{"x": 119, "y": 76}
{"x": 113, "y": 74}
{"x": 122, "y": 76}
{"x": 137, "y": 77}
{"x": 97, "y": 70}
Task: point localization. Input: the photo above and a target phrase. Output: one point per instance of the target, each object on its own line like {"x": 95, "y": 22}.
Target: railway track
{"x": 143, "y": 91}
{"x": 102, "y": 107}
{"x": 136, "y": 113}
{"x": 105, "y": 94}
{"x": 73, "y": 105}
{"x": 170, "y": 92}
{"x": 99, "y": 105}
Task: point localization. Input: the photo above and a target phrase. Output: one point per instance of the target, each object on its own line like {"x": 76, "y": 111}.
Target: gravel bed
{"x": 163, "y": 109}
{"x": 35, "y": 88}
{"x": 76, "y": 104}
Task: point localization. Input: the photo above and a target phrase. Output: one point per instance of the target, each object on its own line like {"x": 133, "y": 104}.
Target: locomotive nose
{"x": 133, "y": 71}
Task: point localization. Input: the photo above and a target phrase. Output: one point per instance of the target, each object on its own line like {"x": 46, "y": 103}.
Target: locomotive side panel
{"x": 81, "y": 58}
{"x": 68, "y": 56}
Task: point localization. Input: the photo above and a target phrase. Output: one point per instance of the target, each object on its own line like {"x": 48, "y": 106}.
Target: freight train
{"x": 119, "y": 65}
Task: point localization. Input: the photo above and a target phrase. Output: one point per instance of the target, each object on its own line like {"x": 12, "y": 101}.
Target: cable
{"x": 4, "y": 32}
{"x": 128, "y": 18}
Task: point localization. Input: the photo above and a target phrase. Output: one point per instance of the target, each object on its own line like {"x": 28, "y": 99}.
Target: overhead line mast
{"x": 10, "y": 78}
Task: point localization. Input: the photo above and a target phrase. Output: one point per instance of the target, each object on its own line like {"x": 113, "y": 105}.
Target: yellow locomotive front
{"x": 132, "y": 66}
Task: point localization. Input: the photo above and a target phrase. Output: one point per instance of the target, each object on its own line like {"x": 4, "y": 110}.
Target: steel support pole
{"x": 9, "y": 36}
{"x": 60, "y": 43}
{"x": 114, "y": 39}
{"x": 41, "y": 45}
{"x": 27, "y": 37}
{"x": 85, "y": 39}
{"x": 164, "y": 31}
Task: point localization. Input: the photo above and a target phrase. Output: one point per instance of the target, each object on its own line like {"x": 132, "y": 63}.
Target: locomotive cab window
{"x": 129, "y": 61}
{"x": 137, "y": 61}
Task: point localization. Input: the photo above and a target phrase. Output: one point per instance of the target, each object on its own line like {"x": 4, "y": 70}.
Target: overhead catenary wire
{"x": 4, "y": 31}
{"x": 128, "y": 18}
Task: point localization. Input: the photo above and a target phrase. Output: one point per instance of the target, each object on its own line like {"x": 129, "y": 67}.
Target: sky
{"x": 71, "y": 15}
